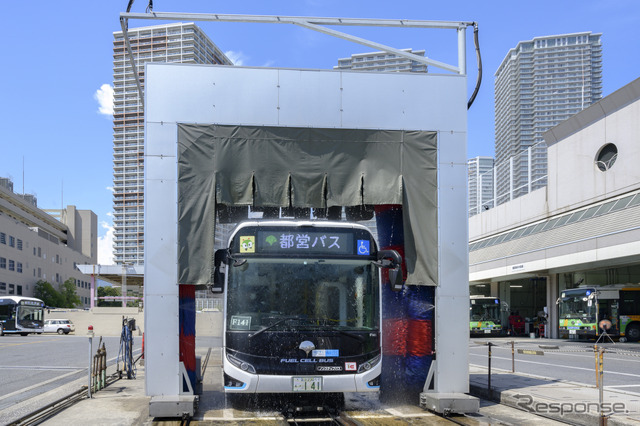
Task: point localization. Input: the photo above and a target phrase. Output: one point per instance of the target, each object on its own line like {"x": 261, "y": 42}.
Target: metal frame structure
{"x": 317, "y": 24}
{"x": 280, "y": 105}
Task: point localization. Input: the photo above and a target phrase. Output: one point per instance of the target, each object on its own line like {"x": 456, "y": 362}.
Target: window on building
{"x": 19, "y": 244}
{"x": 12, "y": 289}
{"x": 12, "y": 241}
{"x": 19, "y": 267}
{"x": 3, "y": 238}
{"x": 3, "y": 288}
{"x": 19, "y": 290}
{"x": 12, "y": 265}
{"x": 3, "y": 263}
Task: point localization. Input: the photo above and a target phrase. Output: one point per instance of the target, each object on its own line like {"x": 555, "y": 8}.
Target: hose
{"x": 479, "y": 60}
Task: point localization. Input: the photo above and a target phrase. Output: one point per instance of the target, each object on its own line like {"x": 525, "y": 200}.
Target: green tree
{"x": 44, "y": 291}
{"x": 105, "y": 291}
{"x": 68, "y": 294}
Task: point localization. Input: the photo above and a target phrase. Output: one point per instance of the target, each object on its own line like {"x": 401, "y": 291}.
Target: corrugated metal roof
{"x": 618, "y": 221}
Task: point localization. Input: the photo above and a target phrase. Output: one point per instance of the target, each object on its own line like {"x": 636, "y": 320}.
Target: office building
{"x": 382, "y": 62}
{"x": 539, "y": 84}
{"x": 36, "y": 246}
{"x": 581, "y": 229}
{"x": 175, "y": 43}
{"x": 480, "y": 184}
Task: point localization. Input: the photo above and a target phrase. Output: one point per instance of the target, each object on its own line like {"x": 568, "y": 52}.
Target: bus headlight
{"x": 366, "y": 366}
{"x": 244, "y": 366}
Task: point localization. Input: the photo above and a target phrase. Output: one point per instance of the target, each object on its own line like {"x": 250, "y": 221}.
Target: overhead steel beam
{"x": 274, "y": 19}
{"x": 378, "y": 46}
{"x": 318, "y": 23}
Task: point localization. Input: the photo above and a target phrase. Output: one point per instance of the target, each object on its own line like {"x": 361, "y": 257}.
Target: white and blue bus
{"x": 302, "y": 307}
{"x": 21, "y": 315}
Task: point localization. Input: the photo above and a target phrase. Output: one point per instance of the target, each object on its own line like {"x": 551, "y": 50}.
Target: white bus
{"x": 21, "y": 315}
{"x": 302, "y": 307}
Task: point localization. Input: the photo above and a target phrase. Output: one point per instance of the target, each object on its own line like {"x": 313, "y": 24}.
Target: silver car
{"x": 60, "y": 326}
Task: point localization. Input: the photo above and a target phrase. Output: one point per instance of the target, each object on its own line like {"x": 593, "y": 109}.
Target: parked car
{"x": 60, "y": 326}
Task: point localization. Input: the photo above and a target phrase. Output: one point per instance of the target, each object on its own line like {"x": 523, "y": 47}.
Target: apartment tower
{"x": 540, "y": 83}
{"x": 177, "y": 42}
{"x": 381, "y": 62}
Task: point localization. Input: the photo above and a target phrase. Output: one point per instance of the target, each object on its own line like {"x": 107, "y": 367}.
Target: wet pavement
{"x": 515, "y": 399}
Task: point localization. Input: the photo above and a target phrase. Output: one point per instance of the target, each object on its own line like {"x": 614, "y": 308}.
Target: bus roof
{"x": 17, "y": 299}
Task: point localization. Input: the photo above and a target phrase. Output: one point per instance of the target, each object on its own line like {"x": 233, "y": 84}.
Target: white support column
{"x": 452, "y": 293}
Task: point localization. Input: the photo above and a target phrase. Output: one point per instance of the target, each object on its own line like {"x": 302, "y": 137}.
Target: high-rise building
{"x": 176, "y": 42}
{"x": 480, "y": 184}
{"x": 382, "y": 62}
{"x": 540, "y": 83}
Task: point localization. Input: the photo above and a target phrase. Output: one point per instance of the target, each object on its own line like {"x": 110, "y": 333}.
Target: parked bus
{"x": 302, "y": 307}
{"x": 21, "y": 315}
{"x": 485, "y": 315}
{"x": 585, "y": 312}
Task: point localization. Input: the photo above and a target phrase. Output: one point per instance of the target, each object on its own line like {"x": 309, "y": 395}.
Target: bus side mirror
{"x": 391, "y": 259}
{"x": 220, "y": 257}
{"x": 395, "y": 277}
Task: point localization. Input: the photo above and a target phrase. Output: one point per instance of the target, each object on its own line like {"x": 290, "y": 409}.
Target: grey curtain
{"x": 264, "y": 166}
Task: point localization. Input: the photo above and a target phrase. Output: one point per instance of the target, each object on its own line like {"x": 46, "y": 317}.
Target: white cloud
{"x": 110, "y": 189}
{"x": 238, "y": 58}
{"x": 105, "y": 245}
{"x": 104, "y": 96}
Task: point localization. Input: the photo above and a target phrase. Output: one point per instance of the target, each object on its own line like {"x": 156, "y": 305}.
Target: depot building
{"x": 583, "y": 228}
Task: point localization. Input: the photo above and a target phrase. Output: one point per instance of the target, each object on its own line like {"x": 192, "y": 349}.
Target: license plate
{"x": 307, "y": 384}
{"x": 487, "y": 332}
{"x": 572, "y": 332}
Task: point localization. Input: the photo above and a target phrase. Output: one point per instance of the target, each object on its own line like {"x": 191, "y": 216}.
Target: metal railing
{"x": 519, "y": 175}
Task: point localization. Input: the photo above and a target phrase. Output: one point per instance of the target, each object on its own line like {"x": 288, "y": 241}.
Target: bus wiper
{"x": 358, "y": 337}
{"x": 263, "y": 329}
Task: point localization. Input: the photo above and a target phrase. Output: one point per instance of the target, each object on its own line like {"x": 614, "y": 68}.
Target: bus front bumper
{"x": 368, "y": 381}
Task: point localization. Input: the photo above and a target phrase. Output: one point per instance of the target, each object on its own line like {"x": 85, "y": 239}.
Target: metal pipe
{"x": 603, "y": 418}
{"x": 595, "y": 352}
{"x": 489, "y": 345}
{"x": 90, "y": 360}
{"x": 103, "y": 363}
{"x": 378, "y": 46}
{"x": 513, "y": 358}
{"x": 317, "y": 24}
{"x": 462, "y": 50}
{"x": 274, "y": 19}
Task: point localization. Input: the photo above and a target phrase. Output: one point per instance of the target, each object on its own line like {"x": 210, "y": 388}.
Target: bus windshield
{"x": 297, "y": 294}
{"x": 485, "y": 311}
{"x": 578, "y": 305}
{"x": 30, "y": 316}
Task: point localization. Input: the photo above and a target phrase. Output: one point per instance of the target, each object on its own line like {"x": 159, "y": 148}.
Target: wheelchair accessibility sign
{"x": 363, "y": 248}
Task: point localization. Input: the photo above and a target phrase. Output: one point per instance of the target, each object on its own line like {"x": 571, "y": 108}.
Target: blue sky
{"x": 57, "y": 70}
